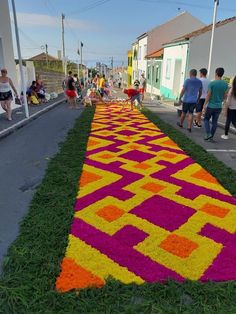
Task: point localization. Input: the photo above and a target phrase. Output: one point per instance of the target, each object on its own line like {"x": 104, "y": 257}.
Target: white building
{"x": 6, "y": 45}
{"x": 191, "y": 51}
{"x": 141, "y": 56}
{"x": 160, "y": 35}
{"x": 135, "y": 61}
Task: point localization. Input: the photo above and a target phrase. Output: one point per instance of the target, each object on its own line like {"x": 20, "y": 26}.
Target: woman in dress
{"x": 6, "y": 86}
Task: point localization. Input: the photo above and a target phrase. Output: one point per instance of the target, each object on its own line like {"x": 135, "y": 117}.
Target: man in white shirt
{"x": 200, "y": 104}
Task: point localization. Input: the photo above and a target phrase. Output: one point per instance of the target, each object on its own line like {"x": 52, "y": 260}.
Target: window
{"x": 168, "y": 68}
{"x": 131, "y": 61}
{"x": 157, "y": 74}
{"x": 139, "y": 53}
{"x": 148, "y": 74}
{"x": 145, "y": 50}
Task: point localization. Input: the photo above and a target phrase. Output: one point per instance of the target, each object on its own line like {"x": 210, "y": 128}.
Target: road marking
{"x": 222, "y": 150}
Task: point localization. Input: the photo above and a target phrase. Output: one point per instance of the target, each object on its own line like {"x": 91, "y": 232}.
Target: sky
{"x": 107, "y": 28}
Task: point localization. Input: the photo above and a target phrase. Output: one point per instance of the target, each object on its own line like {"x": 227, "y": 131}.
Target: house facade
{"x": 191, "y": 51}
{"x": 154, "y": 71}
{"x": 135, "y": 61}
{"x": 160, "y": 35}
{"x": 142, "y": 53}
{"x": 130, "y": 68}
{"x": 6, "y": 44}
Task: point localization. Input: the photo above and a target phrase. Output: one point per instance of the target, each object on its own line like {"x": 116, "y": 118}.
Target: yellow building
{"x": 130, "y": 67}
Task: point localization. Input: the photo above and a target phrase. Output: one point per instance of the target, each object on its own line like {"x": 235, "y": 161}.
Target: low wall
{"x": 52, "y": 80}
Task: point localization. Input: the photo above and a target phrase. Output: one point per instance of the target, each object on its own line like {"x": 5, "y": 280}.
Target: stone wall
{"x": 52, "y": 80}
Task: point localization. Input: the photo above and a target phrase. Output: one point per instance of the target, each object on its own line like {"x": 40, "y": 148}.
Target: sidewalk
{"x": 19, "y": 119}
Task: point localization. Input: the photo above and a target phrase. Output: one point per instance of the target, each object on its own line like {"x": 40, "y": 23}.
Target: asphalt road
{"x": 24, "y": 156}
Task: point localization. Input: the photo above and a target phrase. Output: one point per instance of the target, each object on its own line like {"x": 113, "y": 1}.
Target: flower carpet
{"x": 145, "y": 211}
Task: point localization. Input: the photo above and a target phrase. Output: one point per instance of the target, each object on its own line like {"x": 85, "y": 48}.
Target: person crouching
{"x": 133, "y": 94}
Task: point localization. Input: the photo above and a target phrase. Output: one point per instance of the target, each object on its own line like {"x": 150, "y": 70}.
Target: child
{"x": 133, "y": 94}
{"x": 93, "y": 97}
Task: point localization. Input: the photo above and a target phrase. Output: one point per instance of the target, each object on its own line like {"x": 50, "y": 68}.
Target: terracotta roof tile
{"x": 156, "y": 54}
{"x": 202, "y": 30}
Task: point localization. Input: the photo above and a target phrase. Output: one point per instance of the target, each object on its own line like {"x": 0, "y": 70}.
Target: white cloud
{"x": 43, "y": 20}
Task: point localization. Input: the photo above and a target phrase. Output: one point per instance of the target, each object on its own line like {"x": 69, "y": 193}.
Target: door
{"x": 177, "y": 77}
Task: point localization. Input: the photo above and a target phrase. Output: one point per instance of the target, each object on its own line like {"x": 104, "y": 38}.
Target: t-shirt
{"x": 102, "y": 83}
{"x": 231, "y": 101}
{"x": 192, "y": 87}
{"x": 70, "y": 83}
{"x": 218, "y": 89}
{"x": 131, "y": 92}
{"x": 205, "y": 84}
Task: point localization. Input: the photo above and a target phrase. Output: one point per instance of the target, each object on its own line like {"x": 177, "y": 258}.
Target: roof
{"x": 142, "y": 36}
{"x": 42, "y": 57}
{"x": 156, "y": 54}
{"x": 202, "y": 30}
{"x": 171, "y": 29}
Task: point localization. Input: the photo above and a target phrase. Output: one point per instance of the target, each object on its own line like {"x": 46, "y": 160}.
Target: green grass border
{"x": 33, "y": 260}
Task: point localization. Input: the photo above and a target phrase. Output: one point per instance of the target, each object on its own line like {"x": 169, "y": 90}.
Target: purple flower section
{"x": 216, "y": 234}
{"x": 224, "y": 266}
{"x": 123, "y": 255}
{"x": 115, "y": 189}
{"x": 136, "y": 155}
{"x": 130, "y": 235}
{"x": 127, "y": 133}
{"x": 188, "y": 190}
{"x": 163, "y": 212}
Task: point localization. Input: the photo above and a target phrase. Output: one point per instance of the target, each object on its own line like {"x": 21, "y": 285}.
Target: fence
{"x": 52, "y": 80}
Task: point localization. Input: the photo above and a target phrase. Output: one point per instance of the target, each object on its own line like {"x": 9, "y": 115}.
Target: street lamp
{"x": 216, "y": 3}
{"x": 23, "y": 87}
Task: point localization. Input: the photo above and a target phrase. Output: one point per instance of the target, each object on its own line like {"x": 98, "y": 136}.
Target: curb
{"x": 25, "y": 121}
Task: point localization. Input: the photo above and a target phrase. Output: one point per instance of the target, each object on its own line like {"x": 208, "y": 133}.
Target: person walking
{"x": 143, "y": 85}
{"x": 71, "y": 91}
{"x": 6, "y": 86}
{"x": 191, "y": 93}
{"x": 200, "y": 104}
{"x": 230, "y": 110}
{"x": 102, "y": 83}
{"x": 217, "y": 92}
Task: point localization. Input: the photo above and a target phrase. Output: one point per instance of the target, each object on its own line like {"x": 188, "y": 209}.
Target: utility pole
{"x": 216, "y": 3}
{"x": 46, "y": 49}
{"x": 23, "y": 87}
{"x": 63, "y": 43}
{"x": 112, "y": 61}
{"x": 81, "y": 58}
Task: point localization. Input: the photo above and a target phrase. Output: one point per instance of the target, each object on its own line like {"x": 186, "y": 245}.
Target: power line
{"x": 89, "y": 7}
{"x": 184, "y": 4}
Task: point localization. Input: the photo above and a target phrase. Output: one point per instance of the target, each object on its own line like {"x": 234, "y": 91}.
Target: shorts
{"x": 101, "y": 91}
{"x": 188, "y": 108}
{"x": 199, "y": 105}
{"x": 41, "y": 96}
{"x": 6, "y": 96}
{"x": 136, "y": 97}
{"x": 70, "y": 93}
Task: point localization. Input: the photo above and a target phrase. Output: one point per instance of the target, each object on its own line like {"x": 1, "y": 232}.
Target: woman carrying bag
{"x": 6, "y": 97}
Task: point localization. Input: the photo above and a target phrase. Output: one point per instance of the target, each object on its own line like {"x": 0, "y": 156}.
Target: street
{"x": 24, "y": 158}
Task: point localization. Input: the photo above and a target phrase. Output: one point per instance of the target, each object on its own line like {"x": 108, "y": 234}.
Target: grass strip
{"x": 33, "y": 261}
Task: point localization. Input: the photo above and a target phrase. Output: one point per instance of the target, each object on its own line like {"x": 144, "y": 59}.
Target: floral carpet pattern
{"x": 145, "y": 211}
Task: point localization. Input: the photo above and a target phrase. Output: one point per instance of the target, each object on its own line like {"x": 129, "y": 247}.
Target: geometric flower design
{"x": 145, "y": 211}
